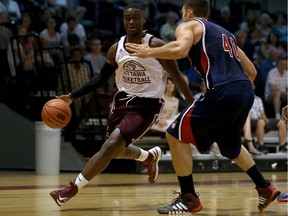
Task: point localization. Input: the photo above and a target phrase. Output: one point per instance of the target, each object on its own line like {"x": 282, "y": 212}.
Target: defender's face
{"x": 133, "y": 20}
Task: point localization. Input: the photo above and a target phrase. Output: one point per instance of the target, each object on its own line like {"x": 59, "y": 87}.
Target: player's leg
{"x": 149, "y": 159}
{"x": 94, "y": 166}
{"x": 133, "y": 126}
{"x": 181, "y": 154}
{"x": 266, "y": 191}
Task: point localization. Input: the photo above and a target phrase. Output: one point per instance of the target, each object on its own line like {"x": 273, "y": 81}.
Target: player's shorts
{"x": 218, "y": 116}
{"x": 133, "y": 115}
{"x": 270, "y": 126}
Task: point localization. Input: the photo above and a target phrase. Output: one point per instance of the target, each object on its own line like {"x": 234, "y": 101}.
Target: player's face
{"x": 133, "y": 20}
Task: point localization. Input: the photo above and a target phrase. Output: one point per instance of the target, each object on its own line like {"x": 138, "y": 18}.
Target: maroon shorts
{"x": 133, "y": 115}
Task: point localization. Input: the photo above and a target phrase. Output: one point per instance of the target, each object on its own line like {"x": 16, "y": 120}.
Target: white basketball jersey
{"x": 143, "y": 77}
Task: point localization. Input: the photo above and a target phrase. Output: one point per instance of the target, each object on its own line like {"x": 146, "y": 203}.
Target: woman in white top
{"x": 170, "y": 109}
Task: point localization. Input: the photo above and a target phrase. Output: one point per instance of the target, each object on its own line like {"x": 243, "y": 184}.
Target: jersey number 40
{"x": 230, "y": 47}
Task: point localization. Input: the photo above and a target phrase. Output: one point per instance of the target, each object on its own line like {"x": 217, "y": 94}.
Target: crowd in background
{"x": 85, "y": 29}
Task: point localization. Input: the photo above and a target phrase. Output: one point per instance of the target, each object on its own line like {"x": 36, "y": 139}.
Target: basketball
{"x": 56, "y": 113}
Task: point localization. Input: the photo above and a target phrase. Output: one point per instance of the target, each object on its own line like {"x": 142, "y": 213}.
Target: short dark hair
{"x": 135, "y": 6}
{"x": 201, "y": 8}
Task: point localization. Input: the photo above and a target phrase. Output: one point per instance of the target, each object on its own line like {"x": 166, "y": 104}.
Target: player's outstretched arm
{"x": 97, "y": 81}
{"x": 174, "y": 50}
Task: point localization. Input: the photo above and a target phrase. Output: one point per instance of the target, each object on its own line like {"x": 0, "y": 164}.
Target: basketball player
{"x": 220, "y": 113}
{"x": 141, "y": 83}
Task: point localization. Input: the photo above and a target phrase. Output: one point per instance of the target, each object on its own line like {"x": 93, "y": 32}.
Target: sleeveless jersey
{"x": 215, "y": 57}
{"x": 143, "y": 77}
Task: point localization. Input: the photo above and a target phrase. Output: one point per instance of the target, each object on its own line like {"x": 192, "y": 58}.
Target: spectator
{"x": 11, "y": 7}
{"x": 96, "y": 57}
{"x": 27, "y": 23}
{"x": 265, "y": 66}
{"x": 23, "y": 49}
{"x": 41, "y": 24}
{"x": 68, "y": 6}
{"x": 280, "y": 27}
{"x": 71, "y": 38}
{"x": 276, "y": 86}
{"x": 170, "y": 110}
{"x": 167, "y": 30}
{"x": 49, "y": 36}
{"x": 79, "y": 28}
{"x": 248, "y": 140}
{"x": 241, "y": 37}
{"x": 152, "y": 15}
{"x": 273, "y": 40}
{"x": 97, "y": 60}
{"x": 249, "y": 22}
{"x": 260, "y": 125}
{"x": 252, "y": 46}
{"x": 264, "y": 23}
{"x": 78, "y": 75}
{"x": 226, "y": 21}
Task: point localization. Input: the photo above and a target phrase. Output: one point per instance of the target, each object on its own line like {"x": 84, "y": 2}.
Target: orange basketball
{"x": 56, "y": 113}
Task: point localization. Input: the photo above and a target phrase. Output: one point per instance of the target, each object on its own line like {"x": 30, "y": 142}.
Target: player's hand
{"x": 284, "y": 116}
{"x": 66, "y": 98}
{"x": 139, "y": 50}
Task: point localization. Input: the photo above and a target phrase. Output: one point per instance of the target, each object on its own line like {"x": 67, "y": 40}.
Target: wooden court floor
{"x": 23, "y": 193}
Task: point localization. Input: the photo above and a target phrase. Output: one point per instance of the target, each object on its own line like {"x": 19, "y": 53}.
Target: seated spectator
{"x": 68, "y": 6}
{"x": 167, "y": 30}
{"x": 280, "y": 27}
{"x": 266, "y": 65}
{"x": 78, "y": 74}
{"x": 71, "y": 39}
{"x": 95, "y": 56}
{"x": 264, "y": 23}
{"x": 79, "y": 28}
{"x": 241, "y": 37}
{"x": 274, "y": 41}
{"x": 21, "y": 52}
{"x": 41, "y": 24}
{"x": 248, "y": 140}
{"x": 12, "y": 8}
{"x": 276, "y": 86}
{"x": 249, "y": 22}
{"x": 170, "y": 109}
{"x": 50, "y": 37}
{"x": 27, "y": 23}
{"x": 226, "y": 20}
{"x": 97, "y": 60}
{"x": 252, "y": 46}
{"x": 260, "y": 125}
{"x": 152, "y": 15}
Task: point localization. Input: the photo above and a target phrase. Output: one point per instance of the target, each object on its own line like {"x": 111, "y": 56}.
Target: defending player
{"x": 220, "y": 113}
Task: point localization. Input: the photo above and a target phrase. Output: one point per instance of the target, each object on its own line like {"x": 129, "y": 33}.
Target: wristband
{"x": 71, "y": 97}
